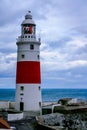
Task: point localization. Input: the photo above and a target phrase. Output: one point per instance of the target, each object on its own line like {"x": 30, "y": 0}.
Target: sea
{"x": 48, "y": 95}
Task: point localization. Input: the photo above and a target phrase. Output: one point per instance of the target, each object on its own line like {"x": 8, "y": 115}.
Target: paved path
{"x": 24, "y": 124}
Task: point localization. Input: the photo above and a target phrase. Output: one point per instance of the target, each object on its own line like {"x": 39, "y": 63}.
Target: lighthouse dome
{"x": 28, "y": 15}
{"x": 28, "y": 19}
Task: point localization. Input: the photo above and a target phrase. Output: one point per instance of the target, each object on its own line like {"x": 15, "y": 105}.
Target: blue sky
{"x": 62, "y": 25}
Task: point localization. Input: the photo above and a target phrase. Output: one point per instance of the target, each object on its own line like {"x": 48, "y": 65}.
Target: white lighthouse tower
{"x": 28, "y": 76}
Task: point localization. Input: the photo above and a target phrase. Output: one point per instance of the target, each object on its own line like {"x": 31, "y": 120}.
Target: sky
{"x": 62, "y": 26}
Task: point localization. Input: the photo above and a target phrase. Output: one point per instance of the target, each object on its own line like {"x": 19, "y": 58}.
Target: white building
{"x": 28, "y": 76}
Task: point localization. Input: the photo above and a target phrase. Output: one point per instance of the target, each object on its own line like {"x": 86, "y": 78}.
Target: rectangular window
{"x": 38, "y": 57}
{"x": 22, "y": 56}
{"x": 31, "y": 46}
{"x": 21, "y": 94}
{"x": 39, "y": 87}
{"x": 22, "y": 88}
{"x": 40, "y": 104}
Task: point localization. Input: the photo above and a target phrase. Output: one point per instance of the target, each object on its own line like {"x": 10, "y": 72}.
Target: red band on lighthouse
{"x": 28, "y": 72}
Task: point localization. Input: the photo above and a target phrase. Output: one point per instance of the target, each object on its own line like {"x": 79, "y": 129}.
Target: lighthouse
{"x": 28, "y": 75}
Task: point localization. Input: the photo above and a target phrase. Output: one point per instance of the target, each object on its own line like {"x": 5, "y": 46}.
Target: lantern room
{"x": 28, "y": 27}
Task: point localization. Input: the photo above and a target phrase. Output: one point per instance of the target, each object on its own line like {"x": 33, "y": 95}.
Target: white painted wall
{"x": 31, "y": 97}
{"x": 29, "y": 56}
{"x": 17, "y": 116}
{"x": 26, "y": 46}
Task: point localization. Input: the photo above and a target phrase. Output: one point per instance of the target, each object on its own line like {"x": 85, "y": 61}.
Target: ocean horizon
{"x": 48, "y": 94}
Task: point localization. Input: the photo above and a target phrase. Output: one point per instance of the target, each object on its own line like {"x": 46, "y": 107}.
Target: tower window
{"x": 38, "y": 57}
{"x": 40, "y": 104}
{"x": 22, "y": 88}
{"x": 39, "y": 87}
{"x": 21, "y": 94}
{"x": 31, "y": 46}
{"x": 25, "y": 36}
{"x": 22, "y": 55}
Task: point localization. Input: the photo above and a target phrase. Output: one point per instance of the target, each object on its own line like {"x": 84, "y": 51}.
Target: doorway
{"x": 21, "y": 106}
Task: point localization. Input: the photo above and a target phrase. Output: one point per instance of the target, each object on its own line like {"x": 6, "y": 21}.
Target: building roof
{"x": 28, "y": 19}
{"x": 4, "y": 124}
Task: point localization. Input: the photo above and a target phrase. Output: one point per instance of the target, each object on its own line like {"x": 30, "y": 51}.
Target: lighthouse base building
{"x": 29, "y": 102}
{"x": 28, "y": 75}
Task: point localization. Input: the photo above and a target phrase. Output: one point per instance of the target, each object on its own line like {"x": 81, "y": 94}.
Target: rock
{"x": 53, "y": 119}
{"x": 77, "y": 121}
{"x": 72, "y": 102}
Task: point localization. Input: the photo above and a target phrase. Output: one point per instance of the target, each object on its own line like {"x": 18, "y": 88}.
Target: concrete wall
{"x": 5, "y": 129}
{"x": 11, "y": 104}
{"x": 7, "y": 104}
{"x": 17, "y": 116}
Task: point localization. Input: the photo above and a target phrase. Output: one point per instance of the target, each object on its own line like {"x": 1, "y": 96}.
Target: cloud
{"x": 65, "y": 56}
{"x": 7, "y": 82}
{"x": 7, "y": 64}
{"x": 63, "y": 29}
